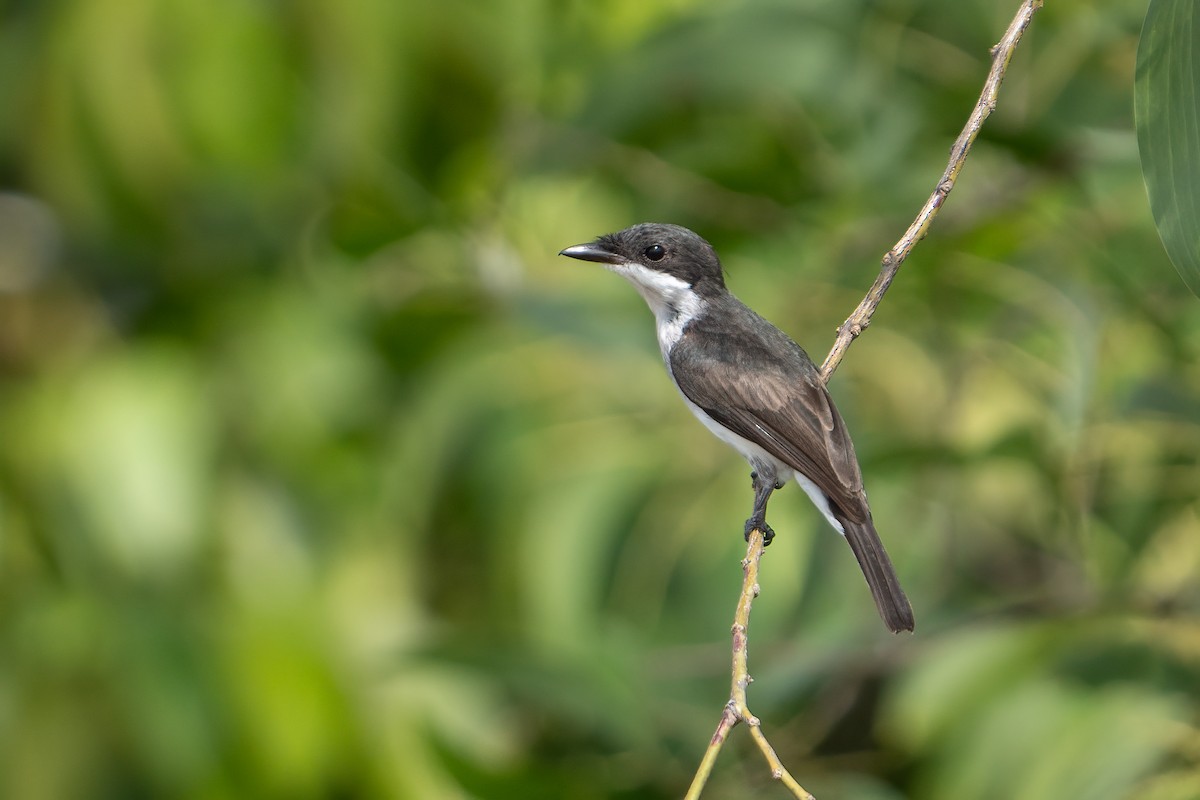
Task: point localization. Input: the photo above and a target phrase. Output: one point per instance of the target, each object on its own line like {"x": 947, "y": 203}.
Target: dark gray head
{"x": 659, "y": 259}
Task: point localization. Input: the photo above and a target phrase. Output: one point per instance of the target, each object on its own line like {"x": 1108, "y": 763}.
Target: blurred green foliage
{"x": 322, "y": 476}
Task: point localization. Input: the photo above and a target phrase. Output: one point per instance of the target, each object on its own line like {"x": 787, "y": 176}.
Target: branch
{"x": 857, "y": 322}
{"x": 736, "y": 709}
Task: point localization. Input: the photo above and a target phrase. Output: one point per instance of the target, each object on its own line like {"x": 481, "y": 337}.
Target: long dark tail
{"x": 880, "y": 574}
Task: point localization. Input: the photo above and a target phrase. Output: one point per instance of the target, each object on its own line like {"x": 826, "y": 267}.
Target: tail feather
{"x": 877, "y": 568}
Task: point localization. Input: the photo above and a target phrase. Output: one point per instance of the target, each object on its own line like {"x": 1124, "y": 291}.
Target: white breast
{"x": 675, "y": 304}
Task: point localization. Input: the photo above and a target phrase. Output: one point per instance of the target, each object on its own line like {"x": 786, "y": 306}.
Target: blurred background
{"x": 322, "y": 476}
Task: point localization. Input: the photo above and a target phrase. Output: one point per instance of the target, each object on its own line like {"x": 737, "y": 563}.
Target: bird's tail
{"x": 877, "y": 568}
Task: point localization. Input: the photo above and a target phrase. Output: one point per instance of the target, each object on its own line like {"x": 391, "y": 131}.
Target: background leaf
{"x": 1166, "y": 96}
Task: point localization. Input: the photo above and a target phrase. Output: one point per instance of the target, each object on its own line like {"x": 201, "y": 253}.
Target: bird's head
{"x": 663, "y": 262}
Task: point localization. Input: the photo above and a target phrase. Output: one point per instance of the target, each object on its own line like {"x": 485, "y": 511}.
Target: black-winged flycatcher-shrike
{"x": 753, "y": 387}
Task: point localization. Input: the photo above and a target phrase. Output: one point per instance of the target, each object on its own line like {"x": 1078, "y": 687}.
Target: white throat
{"x": 674, "y": 302}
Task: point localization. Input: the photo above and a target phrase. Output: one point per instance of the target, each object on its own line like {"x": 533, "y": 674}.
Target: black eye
{"x": 655, "y": 252}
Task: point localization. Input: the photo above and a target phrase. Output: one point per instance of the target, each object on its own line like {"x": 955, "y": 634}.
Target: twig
{"x": 857, "y": 322}
{"x": 736, "y": 710}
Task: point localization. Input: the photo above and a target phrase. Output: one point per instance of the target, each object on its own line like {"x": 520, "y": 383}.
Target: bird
{"x": 754, "y": 388}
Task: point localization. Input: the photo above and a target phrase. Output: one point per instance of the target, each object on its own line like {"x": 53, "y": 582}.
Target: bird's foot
{"x": 759, "y": 524}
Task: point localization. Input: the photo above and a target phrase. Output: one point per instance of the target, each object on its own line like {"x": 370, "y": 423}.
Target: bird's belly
{"x": 763, "y": 462}
{"x": 760, "y": 460}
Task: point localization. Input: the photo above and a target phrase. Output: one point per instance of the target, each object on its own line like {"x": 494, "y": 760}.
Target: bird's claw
{"x": 759, "y": 525}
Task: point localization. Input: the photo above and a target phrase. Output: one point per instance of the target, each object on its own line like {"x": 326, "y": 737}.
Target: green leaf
{"x": 1166, "y": 99}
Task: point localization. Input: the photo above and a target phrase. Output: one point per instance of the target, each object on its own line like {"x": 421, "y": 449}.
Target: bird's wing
{"x": 771, "y": 394}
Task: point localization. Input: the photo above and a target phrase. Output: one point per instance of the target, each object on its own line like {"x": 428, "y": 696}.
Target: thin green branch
{"x": 737, "y": 710}
{"x": 857, "y": 322}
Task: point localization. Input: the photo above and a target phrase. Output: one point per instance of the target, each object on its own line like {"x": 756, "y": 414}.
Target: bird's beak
{"x": 592, "y": 252}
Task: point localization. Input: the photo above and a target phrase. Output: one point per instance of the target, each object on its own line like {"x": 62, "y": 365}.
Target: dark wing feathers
{"x": 765, "y": 388}
{"x": 757, "y": 382}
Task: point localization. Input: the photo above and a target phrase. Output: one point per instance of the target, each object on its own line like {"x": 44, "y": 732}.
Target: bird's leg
{"x": 763, "y": 486}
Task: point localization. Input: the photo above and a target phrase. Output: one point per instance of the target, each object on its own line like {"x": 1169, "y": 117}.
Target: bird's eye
{"x": 655, "y": 252}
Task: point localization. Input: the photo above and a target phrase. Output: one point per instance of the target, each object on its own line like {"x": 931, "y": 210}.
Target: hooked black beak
{"x": 592, "y": 252}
